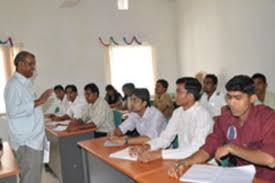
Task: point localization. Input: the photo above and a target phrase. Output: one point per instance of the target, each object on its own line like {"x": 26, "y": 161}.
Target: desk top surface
{"x": 8, "y": 164}
{"x": 152, "y": 172}
{"x": 68, "y": 133}
{"x": 130, "y": 168}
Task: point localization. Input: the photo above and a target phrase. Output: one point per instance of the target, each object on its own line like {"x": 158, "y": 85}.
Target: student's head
{"x": 240, "y": 94}
{"x": 91, "y": 93}
{"x": 140, "y": 99}
{"x": 25, "y": 63}
{"x": 71, "y": 92}
{"x": 128, "y": 89}
{"x": 161, "y": 86}
{"x": 260, "y": 83}
{"x": 110, "y": 90}
{"x": 210, "y": 83}
{"x": 188, "y": 91}
{"x": 59, "y": 92}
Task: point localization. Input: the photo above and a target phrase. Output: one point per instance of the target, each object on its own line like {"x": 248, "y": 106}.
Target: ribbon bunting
{"x": 9, "y": 40}
{"x": 113, "y": 41}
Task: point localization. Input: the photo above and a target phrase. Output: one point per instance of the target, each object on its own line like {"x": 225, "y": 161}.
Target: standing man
{"x": 25, "y": 117}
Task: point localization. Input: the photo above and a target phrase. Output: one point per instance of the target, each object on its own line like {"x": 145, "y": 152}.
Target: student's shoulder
{"x": 264, "y": 113}
{"x": 201, "y": 109}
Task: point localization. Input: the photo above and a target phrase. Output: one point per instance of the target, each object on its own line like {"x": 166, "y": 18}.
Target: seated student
{"x": 162, "y": 100}
{"x": 263, "y": 96}
{"x": 191, "y": 122}
{"x": 96, "y": 114}
{"x": 112, "y": 96}
{"x": 245, "y": 135}
{"x": 212, "y": 99}
{"x": 147, "y": 120}
{"x": 127, "y": 89}
{"x": 76, "y": 105}
{"x": 60, "y": 104}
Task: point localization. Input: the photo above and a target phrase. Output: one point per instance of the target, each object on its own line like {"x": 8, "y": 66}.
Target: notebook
{"x": 216, "y": 174}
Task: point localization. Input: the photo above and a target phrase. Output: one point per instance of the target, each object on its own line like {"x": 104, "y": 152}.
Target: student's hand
{"x": 117, "y": 140}
{"x": 222, "y": 151}
{"x": 177, "y": 170}
{"x": 148, "y": 156}
{"x": 138, "y": 149}
{"x": 73, "y": 126}
{"x": 54, "y": 118}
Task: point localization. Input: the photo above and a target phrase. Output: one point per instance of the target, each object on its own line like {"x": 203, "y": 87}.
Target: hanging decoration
{"x": 9, "y": 40}
{"x": 113, "y": 41}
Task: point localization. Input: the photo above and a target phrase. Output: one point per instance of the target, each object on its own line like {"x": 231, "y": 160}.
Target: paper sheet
{"x": 108, "y": 143}
{"x": 54, "y": 123}
{"x": 176, "y": 153}
{"x": 60, "y": 128}
{"x": 123, "y": 154}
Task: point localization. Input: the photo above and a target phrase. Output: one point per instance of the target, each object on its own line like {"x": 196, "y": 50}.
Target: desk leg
{"x": 85, "y": 166}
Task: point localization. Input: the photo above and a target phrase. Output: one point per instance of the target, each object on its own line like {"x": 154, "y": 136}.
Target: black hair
{"x": 129, "y": 86}
{"x": 163, "y": 82}
{"x": 58, "y": 87}
{"x": 241, "y": 83}
{"x": 143, "y": 94}
{"x": 192, "y": 85}
{"x": 259, "y": 76}
{"x": 72, "y": 87}
{"x": 213, "y": 77}
{"x": 92, "y": 87}
{"x": 21, "y": 56}
{"x": 110, "y": 87}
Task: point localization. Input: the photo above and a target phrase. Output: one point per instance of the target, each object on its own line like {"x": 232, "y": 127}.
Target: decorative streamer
{"x": 102, "y": 42}
{"x": 9, "y": 40}
{"x": 112, "y": 39}
{"x": 137, "y": 41}
{"x": 126, "y": 42}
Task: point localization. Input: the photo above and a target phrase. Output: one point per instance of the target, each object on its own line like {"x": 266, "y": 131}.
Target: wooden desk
{"x": 65, "y": 155}
{"x": 161, "y": 175}
{"x": 9, "y": 169}
{"x": 99, "y": 167}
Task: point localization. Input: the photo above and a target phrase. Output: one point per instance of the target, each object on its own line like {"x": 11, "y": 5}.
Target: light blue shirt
{"x": 26, "y": 122}
{"x": 151, "y": 124}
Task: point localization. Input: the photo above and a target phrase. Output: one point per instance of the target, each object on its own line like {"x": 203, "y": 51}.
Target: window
{"x": 132, "y": 64}
{"x": 6, "y": 69}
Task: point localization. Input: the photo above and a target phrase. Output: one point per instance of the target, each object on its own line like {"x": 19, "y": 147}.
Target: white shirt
{"x": 26, "y": 122}
{"x": 151, "y": 124}
{"x": 214, "y": 104}
{"x": 192, "y": 127}
{"x": 58, "y": 107}
{"x": 100, "y": 114}
{"x": 75, "y": 108}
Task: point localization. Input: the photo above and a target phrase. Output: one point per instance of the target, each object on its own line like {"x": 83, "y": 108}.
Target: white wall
{"x": 227, "y": 37}
{"x": 65, "y": 43}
